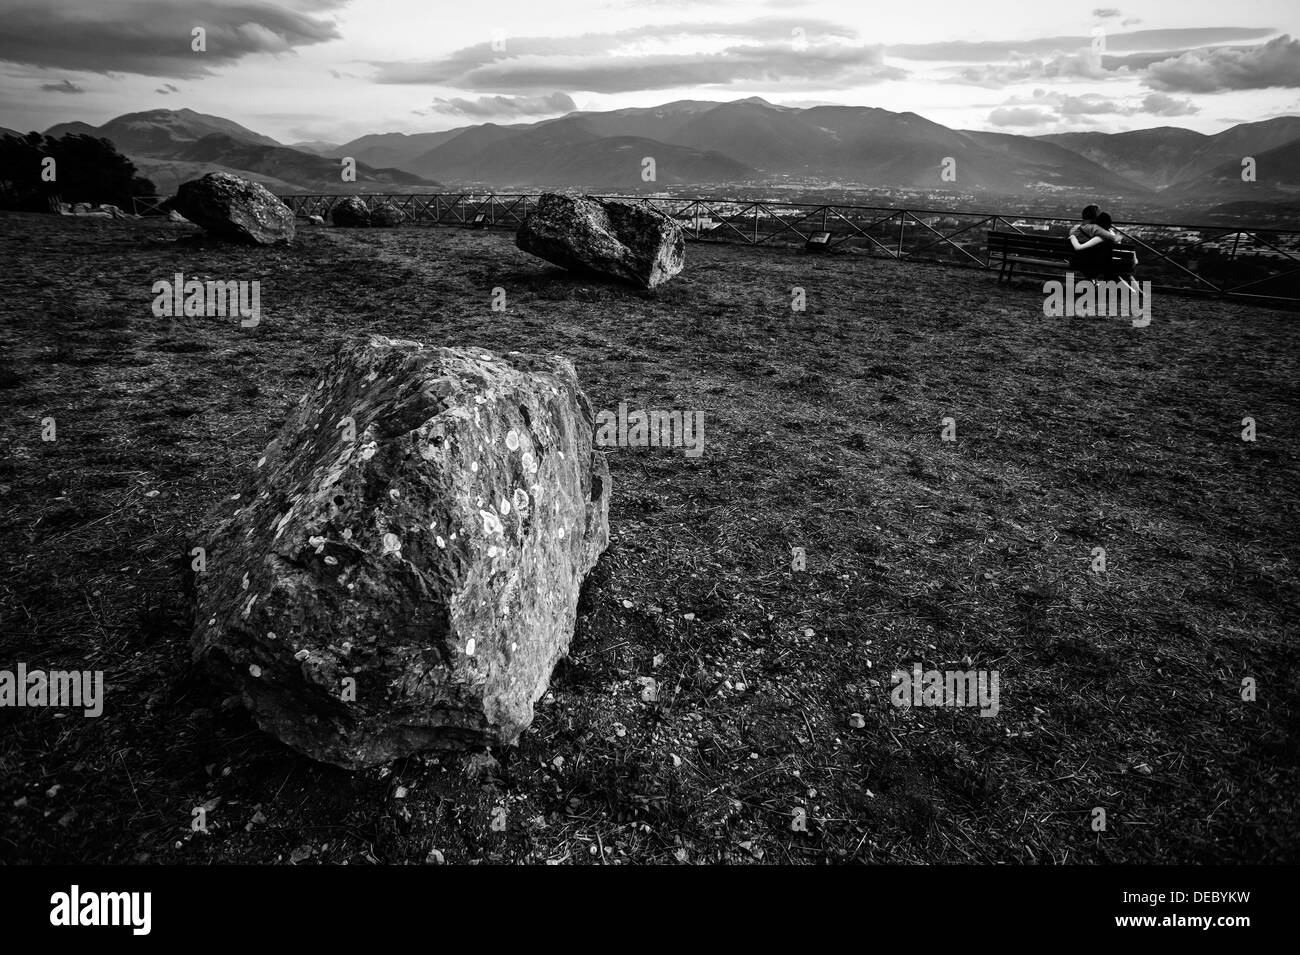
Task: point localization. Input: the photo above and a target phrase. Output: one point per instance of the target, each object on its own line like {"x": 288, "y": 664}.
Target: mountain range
{"x": 744, "y": 142}
{"x": 172, "y": 146}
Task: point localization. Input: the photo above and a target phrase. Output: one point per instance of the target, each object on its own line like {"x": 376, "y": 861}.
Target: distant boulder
{"x": 315, "y": 220}
{"x": 99, "y": 211}
{"x": 174, "y": 216}
{"x": 403, "y": 573}
{"x": 622, "y": 240}
{"x": 351, "y": 213}
{"x": 234, "y": 208}
{"x": 387, "y": 215}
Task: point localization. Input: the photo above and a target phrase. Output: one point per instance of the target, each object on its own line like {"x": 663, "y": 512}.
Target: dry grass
{"x": 1119, "y": 690}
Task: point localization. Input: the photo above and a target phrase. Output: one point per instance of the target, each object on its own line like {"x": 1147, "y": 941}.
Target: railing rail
{"x": 1238, "y": 262}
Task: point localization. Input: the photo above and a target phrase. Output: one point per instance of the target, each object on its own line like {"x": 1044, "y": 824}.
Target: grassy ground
{"x": 1119, "y": 690}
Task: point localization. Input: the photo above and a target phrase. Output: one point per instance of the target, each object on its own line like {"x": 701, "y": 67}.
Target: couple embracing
{"x": 1093, "y": 240}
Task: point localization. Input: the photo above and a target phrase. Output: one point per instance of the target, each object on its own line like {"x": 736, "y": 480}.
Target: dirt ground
{"x": 1119, "y": 690}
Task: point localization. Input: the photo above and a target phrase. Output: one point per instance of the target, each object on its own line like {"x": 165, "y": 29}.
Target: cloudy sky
{"x": 336, "y": 69}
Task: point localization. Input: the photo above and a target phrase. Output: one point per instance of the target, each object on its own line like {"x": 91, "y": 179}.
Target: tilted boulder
{"x": 386, "y": 215}
{"x": 404, "y": 573}
{"x": 234, "y": 208}
{"x": 315, "y": 220}
{"x": 352, "y": 212}
{"x": 624, "y": 240}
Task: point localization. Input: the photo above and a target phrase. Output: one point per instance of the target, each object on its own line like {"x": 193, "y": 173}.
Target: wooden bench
{"x": 1045, "y": 255}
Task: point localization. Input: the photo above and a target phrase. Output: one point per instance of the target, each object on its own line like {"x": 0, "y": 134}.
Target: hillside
{"x": 1171, "y": 156}
{"x": 395, "y": 149}
{"x": 181, "y": 144}
{"x": 306, "y": 170}
{"x": 161, "y": 132}
{"x": 695, "y": 142}
{"x": 1277, "y": 177}
{"x": 749, "y": 141}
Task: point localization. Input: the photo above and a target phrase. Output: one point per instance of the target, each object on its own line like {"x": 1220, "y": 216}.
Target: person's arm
{"x": 1108, "y": 236}
{"x": 1080, "y": 246}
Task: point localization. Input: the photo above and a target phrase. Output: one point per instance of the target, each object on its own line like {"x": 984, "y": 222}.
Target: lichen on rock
{"x": 399, "y": 568}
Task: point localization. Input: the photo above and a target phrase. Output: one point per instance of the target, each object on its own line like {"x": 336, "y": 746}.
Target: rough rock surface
{"x": 435, "y": 559}
{"x": 623, "y": 240}
{"x": 315, "y": 220}
{"x": 386, "y": 215}
{"x": 234, "y": 208}
{"x": 350, "y": 213}
{"x": 86, "y": 209}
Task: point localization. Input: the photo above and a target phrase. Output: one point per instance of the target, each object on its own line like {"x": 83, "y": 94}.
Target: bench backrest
{"x": 1056, "y": 246}
{"x": 1019, "y": 243}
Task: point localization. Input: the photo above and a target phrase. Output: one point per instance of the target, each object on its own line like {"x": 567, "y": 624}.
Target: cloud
{"x": 1275, "y": 63}
{"x": 153, "y": 37}
{"x": 1020, "y": 116}
{"x": 1082, "y": 65}
{"x": 492, "y": 107}
{"x": 1162, "y": 104}
{"x": 1089, "y": 104}
{"x": 842, "y": 66}
{"x": 769, "y": 50}
{"x": 1046, "y": 107}
{"x": 63, "y": 86}
{"x": 996, "y": 51}
{"x": 1105, "y": 13}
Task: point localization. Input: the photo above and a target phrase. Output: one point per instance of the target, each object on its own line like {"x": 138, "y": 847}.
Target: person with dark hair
{"x": 1092, "y": 243}
{"x": 1095, "y": 253}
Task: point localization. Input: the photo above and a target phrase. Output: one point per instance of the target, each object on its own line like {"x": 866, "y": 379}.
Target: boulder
{"x": 234, "y": 208}
{"x": 403, "y": 573}
{"x": 351, "y": 213}
{"x": 626, "y": 241}
{"x": 387, "y": 215}
{"x": 174, "y": 216}
{"x": 315, "y": 220}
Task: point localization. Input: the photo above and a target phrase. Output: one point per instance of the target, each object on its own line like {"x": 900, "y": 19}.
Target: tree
{"x": 86, "y": 169}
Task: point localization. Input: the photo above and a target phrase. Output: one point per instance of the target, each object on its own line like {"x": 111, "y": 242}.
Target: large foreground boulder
{"x": 626, "y": 241}
{"x": 404, "y": 572}
{"x": 351, "y": 213}
{"x": 234, "y": 208}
